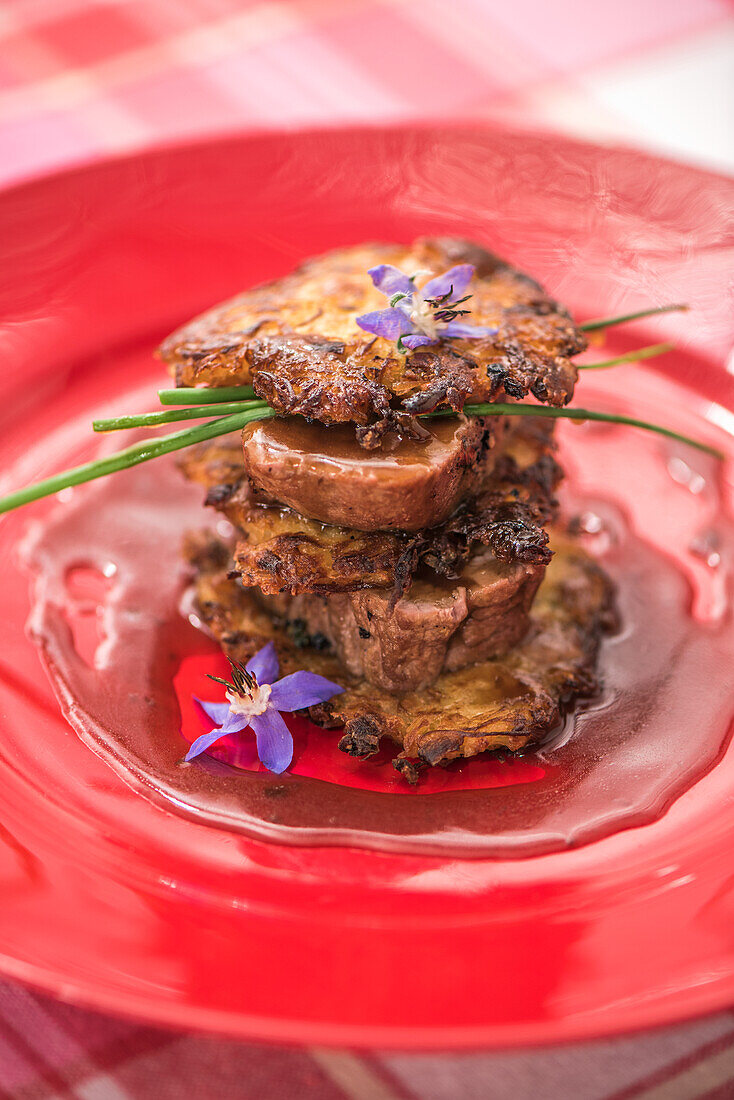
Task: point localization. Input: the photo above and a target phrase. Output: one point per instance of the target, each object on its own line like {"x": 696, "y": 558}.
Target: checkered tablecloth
{"x": 81, "y": 79}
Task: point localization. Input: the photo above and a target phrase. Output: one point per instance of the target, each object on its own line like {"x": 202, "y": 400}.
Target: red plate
{"x": 113, "y": 901}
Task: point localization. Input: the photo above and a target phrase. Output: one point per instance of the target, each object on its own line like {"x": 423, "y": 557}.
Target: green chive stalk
{"x": 154, "y": 448}
{"x": 607, "y": 322}
{"x": 132, "y": 456}
{"x": 630, "y": 357}
{"x": 578, "y": 415}
{"x": 155, "y": 419}
{"x": 198, "y": 396}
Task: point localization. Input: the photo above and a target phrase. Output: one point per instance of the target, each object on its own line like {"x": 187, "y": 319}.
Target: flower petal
{"x": 467, "y": 332}
{"x": 216, "y": 711}
{"x": 390, "y": 280}
{"x": 389, "y": 323}
{"x": 456, "y": 280}
{"x": 274, "y": 741}
{"x": 417, "y": 340}
{"x": 235, "y": 723}
{"x": 302, "y": 689}
{"x": 264, "y": 665}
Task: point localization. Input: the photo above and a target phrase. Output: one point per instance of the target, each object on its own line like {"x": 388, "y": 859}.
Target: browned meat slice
{"x": 297, "y": 341}
{"x": 508, "y": 702}
{"x": 282, "y": 552}
{"x": 324, "y": 474}
{"x": 438, "y": 625}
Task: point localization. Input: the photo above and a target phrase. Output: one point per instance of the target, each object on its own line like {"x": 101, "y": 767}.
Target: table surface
{"x": 81, "y": 80}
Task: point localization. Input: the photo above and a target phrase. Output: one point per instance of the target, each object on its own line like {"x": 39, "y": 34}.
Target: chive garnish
{"x": 579, "y": 415}
{"x": 198, "y": 396}
{"x": 607, "y": 322}
{"x": 630, "y": 357}
{"x": 223, "y": 425}
{"x": 153, "y": 420}
{"x": 132, "y": 456}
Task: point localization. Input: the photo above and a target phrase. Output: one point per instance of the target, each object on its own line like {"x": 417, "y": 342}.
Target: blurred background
{"x": 84, "y": 78}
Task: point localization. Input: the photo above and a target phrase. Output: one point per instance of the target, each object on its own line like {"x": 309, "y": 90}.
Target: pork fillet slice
{"x": 324, "y": 474}
{"x": 280, "y": 551}
{"x": 404, "y": 645}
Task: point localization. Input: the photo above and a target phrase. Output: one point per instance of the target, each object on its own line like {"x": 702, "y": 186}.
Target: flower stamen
{"x": 254, "y": 702}
{"x": 259, "y": 706}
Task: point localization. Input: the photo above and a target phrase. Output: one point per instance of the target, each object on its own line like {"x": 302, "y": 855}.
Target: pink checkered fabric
{"x": 50, "y": 1051}
{"x": 79, "y": 80}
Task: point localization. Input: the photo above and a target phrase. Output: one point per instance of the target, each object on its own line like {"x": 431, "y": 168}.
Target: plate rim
{"x": 420, "y": 1040}
{"x": 236, "y": 135}
{"x": 653, "y": 1013}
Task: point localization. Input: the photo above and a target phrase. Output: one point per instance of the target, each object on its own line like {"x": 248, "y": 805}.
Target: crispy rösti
{"x": 297, "y": 342}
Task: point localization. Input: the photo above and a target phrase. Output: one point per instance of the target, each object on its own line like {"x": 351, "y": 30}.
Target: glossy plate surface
{"x": 110, "y": 899}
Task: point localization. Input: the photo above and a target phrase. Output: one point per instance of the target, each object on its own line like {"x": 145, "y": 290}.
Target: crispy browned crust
{"x": 296, "y": 340}
{"x": 506, "y": 703}
{"x": 280, "y": 551}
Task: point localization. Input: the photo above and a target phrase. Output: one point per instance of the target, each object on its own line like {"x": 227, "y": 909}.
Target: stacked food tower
{"x": 385, "y": 529}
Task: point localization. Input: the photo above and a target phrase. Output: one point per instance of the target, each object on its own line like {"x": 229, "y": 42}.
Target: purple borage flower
{"x": 255, "y": 699}
{"x": 425, "y": 315}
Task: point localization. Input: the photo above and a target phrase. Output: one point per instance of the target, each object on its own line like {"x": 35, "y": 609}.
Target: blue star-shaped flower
{"x": 421, "y": 316}
{"x": 256, "y": 699}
